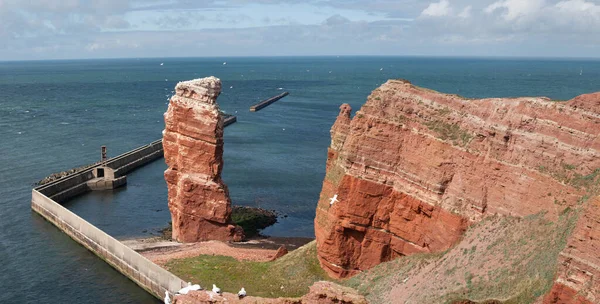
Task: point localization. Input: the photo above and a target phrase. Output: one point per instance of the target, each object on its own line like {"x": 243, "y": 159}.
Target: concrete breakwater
{"x": 267, "y": 102}
{"x": 44, "y": 201}
{"x": 228, "y": 120}
{"x": 76, "y": 184}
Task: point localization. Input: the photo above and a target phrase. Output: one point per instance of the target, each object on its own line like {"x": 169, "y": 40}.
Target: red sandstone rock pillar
{"x": 193, "y": 148}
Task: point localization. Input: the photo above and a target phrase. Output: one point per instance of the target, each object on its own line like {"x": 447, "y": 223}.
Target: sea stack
{"x": 193, "y": 147}
{"x": 414, "y": 168}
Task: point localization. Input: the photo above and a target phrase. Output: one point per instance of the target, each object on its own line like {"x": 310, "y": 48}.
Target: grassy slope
{"x": 507, "y": 259}
{"x": 289, "y": 276}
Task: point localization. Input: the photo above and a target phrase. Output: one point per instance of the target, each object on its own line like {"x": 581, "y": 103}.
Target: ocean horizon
{"x": 467, "y": 57}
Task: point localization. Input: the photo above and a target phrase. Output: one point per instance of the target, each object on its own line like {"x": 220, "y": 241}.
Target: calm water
{"x": 56, "y": 114}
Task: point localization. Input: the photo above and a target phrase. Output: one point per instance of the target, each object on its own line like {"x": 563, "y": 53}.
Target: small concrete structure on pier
{"x": 104, "y": 179}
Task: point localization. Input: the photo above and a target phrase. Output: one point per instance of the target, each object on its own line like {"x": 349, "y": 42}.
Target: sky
{"x": 79, "y": 29}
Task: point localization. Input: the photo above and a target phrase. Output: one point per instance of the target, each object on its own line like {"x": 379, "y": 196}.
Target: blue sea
{"x": 55, "y": 115}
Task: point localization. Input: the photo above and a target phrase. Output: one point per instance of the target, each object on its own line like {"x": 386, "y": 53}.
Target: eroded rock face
{"x": 415, "y": 167}
{"x": 578, "y": 280}
{"x": 193, "y": 148}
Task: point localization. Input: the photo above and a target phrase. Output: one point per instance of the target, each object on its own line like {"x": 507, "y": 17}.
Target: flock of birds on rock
{"x": 215, "y": 291}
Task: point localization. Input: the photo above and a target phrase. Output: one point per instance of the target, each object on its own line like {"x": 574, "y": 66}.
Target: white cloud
{"x": 578, "y": 6}
{"x": 437, "y": 9}
{"x": 466, "y": 12}
{"x": 132, "y": 28}
{"x": 516, "y": 8}
{"x": 336, "y": 20}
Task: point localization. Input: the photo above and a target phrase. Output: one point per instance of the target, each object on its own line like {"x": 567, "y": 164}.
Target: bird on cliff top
{"x": 242, "y": 293}
{"x": 195, "y": 287}
{"x": 216, "y": 289}
{"x": 167, "y": 298}
{"x": 186, "y": 289}
{"x": 333, "y": 200}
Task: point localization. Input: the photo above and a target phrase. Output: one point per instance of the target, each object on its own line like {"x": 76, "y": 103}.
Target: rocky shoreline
{"x": 251, "y": 219}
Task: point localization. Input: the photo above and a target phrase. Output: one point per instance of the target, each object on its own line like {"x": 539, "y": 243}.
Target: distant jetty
{"x": 267, "y": 102}
{"x": 228, "y": 119}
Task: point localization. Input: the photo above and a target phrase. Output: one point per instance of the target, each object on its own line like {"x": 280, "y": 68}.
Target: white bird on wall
{"x": 242, "y": 293}
{"x": 216, "y": 289}
{"x": 167, "y": 298}
{"x": 333, "y": 200}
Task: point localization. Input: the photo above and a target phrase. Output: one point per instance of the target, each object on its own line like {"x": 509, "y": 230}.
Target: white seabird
{"x": 242, "y": 293}
{"x": 333, "y": 200}
{"x": 216, "y": 289}
{"x": 185, "y": 290}
{"x": 167, "y": 298}
{"x": 161, "y": 63}
{"x": 225, "y": 63}
{"x": 195, "y": 287}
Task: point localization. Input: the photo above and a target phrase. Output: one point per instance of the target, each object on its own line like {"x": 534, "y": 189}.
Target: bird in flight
{"x": 333, "y": 200}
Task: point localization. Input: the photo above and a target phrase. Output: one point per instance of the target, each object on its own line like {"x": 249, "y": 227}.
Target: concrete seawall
{"x": 44, "y": 201}
{"x": 143, "y": 272}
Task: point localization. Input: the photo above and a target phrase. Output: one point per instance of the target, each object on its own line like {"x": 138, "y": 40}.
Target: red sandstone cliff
{"x": 415, "y": 167}
{"x": 193, "y": 148}
{"x": 578, "y": 279}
